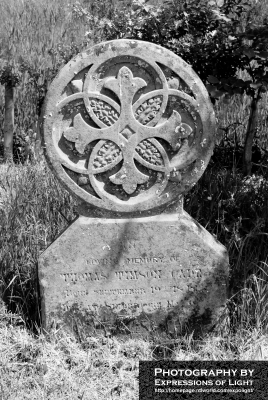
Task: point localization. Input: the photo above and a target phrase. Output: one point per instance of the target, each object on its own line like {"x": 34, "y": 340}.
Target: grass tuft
{"x": 33, "y": 210}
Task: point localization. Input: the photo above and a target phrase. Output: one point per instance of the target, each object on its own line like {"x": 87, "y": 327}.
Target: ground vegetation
{"x": 230, "y": 200}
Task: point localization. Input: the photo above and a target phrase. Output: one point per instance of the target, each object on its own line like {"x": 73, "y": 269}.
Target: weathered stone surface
{"x": 159, "y": 274}
{"x": 128, "y": 128}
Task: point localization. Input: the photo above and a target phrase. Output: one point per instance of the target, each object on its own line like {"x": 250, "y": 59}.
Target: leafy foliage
{"x": 216, "y": 37}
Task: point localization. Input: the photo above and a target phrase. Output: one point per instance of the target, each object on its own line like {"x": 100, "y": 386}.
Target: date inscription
{"x": 134, "y": 307}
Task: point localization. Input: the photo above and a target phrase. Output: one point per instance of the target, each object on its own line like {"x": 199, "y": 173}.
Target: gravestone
{"x": 128, "y": 128}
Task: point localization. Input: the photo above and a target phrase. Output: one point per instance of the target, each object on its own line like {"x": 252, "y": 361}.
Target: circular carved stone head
{"x": 128, "y": 126}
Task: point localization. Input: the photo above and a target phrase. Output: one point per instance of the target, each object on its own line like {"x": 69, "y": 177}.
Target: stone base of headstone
{"x": 162, "y": 275}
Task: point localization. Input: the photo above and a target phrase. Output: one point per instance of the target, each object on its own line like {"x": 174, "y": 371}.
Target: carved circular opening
{"x": 128, "y": 126}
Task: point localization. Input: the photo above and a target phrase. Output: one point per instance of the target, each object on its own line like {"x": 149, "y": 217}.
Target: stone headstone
{"x": 129, "y": 128}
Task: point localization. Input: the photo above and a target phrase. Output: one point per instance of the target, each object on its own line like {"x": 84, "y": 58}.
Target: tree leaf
{"x": 221, "y": 16}
{"x": 238, "y": 90}
{"x": 227, "y": 88}
{"x": 232, "y": 81}
{"x": 240, "y": 83}
{"x": 256, "y": 85}
{"x": 148, "y": 8}
{"x": 214, "y": 92}
{"x": 218, "y": 93}
{"x": 250, "y": 53}
{"x": 212, "y": 79}
{"x": 263, "y": 54}
{"x": 211, "y": 88}
{"x": 220, "y": 3}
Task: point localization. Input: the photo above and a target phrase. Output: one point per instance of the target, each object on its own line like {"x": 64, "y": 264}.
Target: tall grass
{"x": 33, "y": 210}
{"x": 59, "y": 368}
{"x": 31, "y": 28}
{"x": 45, "y": 33}
{"x": 29, "y": 31}
{"x": 33, "y": 207}
{"x": 36, "y": 38}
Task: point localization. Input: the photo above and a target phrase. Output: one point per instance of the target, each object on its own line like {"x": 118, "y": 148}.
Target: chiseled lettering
{"x": 85, "y": 276}
{"x": 176, "y": 288}
{"x": 119, "y": 274}
{"x": 129, "y": 244}
{"x": 186, "y": 273}
{"x": 175, "y": 258}
{"x": 131, "y": 306}
{"x": 153, "y": 305}
{"x": 66, "y": 307}
{"x": 170, "y": 303}
{"x": 144, "y": 260}
{"x": 134, "y": 275}
{"x": 100, "y": 261}
{"x": 178, "y": 259}
{"x": 134, "y": 306}
{"x": 78, "y": 293}
{"x": 93, "y": 261}
{"x": 105, "y": 292}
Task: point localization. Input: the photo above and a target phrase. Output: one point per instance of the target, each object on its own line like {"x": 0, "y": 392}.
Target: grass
{"x": 44, "y": 34}
{"x": 36, "y": 38}
{"x": 57, "y": 367}
{"x": 34, "y": 209}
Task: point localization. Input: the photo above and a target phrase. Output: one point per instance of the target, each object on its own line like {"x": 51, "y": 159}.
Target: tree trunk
{"x": 9, "y": 122}
{"x": 251, "y": 129}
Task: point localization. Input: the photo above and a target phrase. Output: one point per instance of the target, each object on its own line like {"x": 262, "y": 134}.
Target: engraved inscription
{"x": 144, "y": 260}
{"x": 185, "y": 288}
{"x": 132, "y": 274}
{"x": 78, "y": 293}
{"x": 186, "y": 273}
{"x": 129, "y": 129}
{"x": 128, "y": 245}
{"x": 134, "y": 260}
{"x": 101, "y": 261}
{"x": 105, "y": 292}
{"x": 86, "y": 276}
{"x": 132, "y": 306}
{"x": 169, "y": 279}
{"x": 138, "y": 274}
{"x": 155, "y": 289}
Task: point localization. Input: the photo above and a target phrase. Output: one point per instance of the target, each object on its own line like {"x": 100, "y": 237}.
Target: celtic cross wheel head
{"x": 128, "y": 126}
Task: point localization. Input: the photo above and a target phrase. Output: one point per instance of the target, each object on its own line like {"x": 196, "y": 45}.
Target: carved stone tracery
{"x": 133, "y": 128}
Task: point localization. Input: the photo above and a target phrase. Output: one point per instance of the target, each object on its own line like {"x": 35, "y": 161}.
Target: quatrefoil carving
{"x": 127, "y": 132}
{"x": 142, "y": 132}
